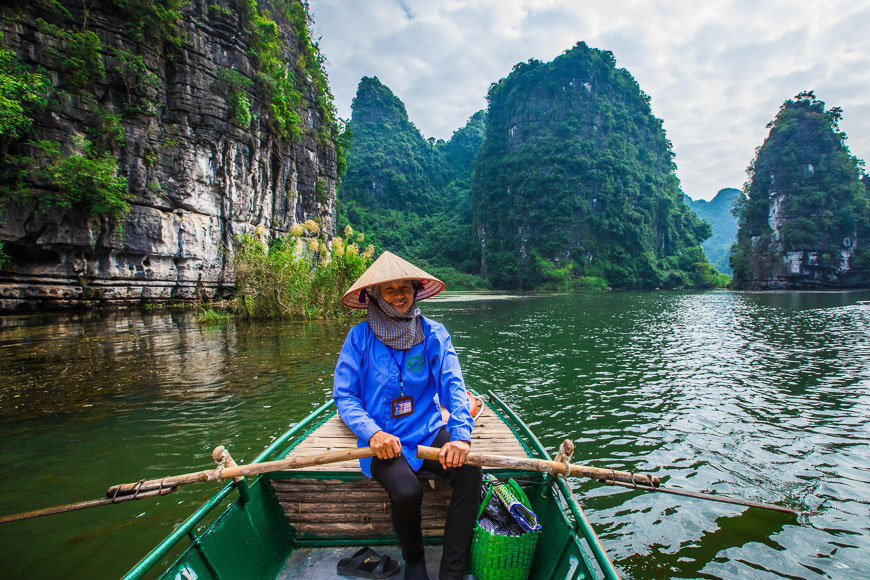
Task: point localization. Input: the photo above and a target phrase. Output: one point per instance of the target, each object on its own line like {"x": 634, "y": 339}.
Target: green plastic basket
{"x": 495, "y": 557}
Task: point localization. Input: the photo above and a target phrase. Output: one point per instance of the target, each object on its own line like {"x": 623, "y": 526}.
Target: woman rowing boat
{"x": 394, "y": 372}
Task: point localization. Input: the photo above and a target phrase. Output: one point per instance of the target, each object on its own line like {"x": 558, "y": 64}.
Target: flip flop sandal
{"x": 366, "y": 563}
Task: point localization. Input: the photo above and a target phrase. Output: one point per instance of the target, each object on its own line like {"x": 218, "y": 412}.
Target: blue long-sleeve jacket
{"x": 367, "y": 380}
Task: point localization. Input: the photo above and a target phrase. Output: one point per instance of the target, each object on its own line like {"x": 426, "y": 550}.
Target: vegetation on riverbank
{"x": 212, "y": 316}
{"x": 300, "y": 276}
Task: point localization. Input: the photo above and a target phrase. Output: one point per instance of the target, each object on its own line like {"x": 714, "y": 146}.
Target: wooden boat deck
{"x": 328, "y": 502}
{"x": 490, "y": 435}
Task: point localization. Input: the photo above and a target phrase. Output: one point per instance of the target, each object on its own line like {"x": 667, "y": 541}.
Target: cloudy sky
{"x": 717, "y": 71}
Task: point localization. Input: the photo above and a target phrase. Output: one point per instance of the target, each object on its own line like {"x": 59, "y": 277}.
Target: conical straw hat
{"x": 388, "y": 268}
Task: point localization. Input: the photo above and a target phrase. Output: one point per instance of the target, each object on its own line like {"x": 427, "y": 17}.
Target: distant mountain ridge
{"x": 718, "y": 213}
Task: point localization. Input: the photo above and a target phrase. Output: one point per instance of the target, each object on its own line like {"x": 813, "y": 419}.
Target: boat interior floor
{"x": 321, "y": 563}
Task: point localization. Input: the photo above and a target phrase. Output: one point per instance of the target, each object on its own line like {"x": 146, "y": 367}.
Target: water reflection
{"x": 55, "y": 365}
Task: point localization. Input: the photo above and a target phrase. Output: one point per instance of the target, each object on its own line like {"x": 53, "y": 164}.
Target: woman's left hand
{"x": 453, "y": 454}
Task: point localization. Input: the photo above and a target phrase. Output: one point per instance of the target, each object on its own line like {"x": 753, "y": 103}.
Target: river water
{"x": 762, "y": 396}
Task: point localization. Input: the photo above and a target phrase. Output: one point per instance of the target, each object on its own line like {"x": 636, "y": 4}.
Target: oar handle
{"x": 544, "y": 466}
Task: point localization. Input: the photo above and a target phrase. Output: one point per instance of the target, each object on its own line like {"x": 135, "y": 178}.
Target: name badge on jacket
{"x": 402, "y": 406}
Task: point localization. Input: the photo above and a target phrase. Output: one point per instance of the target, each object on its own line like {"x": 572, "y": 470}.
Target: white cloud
{"x": 717, "y": 71}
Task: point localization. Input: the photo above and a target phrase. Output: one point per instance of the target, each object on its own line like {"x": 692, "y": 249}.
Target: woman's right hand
{"x": 385, "y": 446}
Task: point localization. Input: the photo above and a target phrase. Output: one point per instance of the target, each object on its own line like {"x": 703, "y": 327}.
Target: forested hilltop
{"x": 573, "y": 184}
{"x": 805, "y": 219}
{"x": 719, "y": 213}
{"x": 409, "y": 194}
{"x": 575, "y": 181}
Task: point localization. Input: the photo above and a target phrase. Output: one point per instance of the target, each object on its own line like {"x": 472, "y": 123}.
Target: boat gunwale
{"x": 186, "y": 528}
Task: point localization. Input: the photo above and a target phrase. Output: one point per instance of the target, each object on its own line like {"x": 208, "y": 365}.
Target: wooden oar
{"x": 608, "y": 476}
{"x": 242, "y": 470}
{"x": 544, "y": 466}
{"x": 227, "y": 469}
{"x": 81, "y": 505}
{"x": 699, "y": 495}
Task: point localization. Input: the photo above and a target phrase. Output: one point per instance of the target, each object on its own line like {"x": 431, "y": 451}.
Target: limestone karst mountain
{"x": 575, "y": 180}
{"x": 410, "y": 194}
{"x": 806, "y": 221}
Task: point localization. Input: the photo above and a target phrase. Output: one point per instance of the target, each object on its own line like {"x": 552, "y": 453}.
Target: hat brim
{"x": 390, "y": 268}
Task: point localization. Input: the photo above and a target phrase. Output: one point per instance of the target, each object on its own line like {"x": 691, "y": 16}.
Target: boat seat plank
{"x": 490, "y": 435}
{"x": 325, "y": 507}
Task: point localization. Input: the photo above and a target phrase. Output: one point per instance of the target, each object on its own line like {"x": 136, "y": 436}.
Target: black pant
{"x": 406, "y": 497}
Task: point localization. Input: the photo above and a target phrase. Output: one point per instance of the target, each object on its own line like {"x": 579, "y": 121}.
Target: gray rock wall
{"x": 197, "y": 178}
{"x": 800, "y": 269}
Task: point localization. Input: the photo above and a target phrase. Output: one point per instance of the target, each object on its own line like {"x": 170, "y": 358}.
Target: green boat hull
{"x": 251, "y": 537}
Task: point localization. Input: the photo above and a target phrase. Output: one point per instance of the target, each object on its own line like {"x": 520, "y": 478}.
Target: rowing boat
{"x": 298, "y": 523}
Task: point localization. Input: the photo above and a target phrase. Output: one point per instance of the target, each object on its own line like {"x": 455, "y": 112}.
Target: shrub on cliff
{"x": 86, "y": 181}
{"x": 298, "y": 276}
{"x": 22, "y": 92}
{"x": 84, "y": 178}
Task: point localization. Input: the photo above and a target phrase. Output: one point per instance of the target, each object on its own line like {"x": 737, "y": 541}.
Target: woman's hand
{"x": 453, "y": 453}
{"x": 385, "y": 446}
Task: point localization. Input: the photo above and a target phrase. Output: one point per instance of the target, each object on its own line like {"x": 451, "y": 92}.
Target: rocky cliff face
{"x": 806, "y": 221}
{"x": 202, "y": 154}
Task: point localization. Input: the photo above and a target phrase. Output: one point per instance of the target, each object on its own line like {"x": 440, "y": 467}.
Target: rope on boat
{"x": 222, "y": 463}
{"x": 566, "y": 452}
{"x": 480, "y": 405}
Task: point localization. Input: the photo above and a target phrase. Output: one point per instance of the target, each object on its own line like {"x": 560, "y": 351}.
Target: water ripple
{"x": 759, "y": 396}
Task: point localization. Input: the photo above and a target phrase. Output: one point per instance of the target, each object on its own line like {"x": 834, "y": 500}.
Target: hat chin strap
{"x": 362, "y": 296}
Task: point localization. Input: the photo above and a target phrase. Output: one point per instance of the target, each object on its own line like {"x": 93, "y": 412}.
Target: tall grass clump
{"x": 299, "y": 276}
{"x": 212, "y": 316}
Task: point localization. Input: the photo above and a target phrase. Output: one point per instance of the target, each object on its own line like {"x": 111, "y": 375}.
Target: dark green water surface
{"x": 764, "y": 397}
